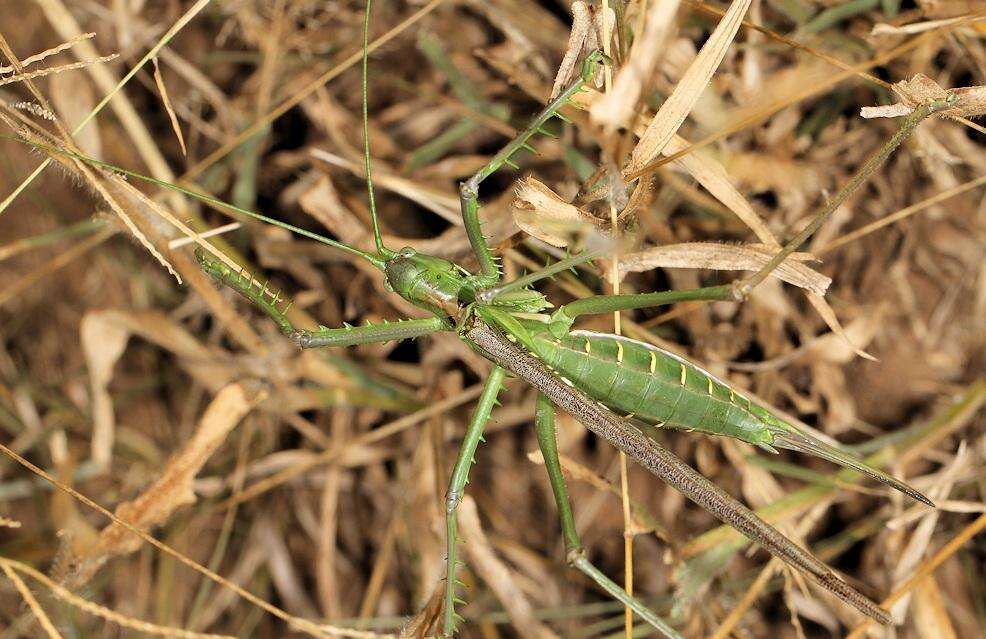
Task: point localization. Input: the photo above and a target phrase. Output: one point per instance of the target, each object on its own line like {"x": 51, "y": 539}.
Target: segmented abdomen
{"x": 651, "y": 384}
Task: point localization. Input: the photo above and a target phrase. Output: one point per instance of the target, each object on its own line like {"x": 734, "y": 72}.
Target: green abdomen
{"x": 633, "y": 378}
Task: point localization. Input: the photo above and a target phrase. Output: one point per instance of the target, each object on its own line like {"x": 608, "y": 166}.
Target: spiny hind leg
{"x": 457, "y": 485}
{"x": 544, "y": 421}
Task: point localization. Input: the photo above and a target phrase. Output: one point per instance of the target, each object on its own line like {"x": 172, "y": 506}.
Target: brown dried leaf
{"x": 103, "y": 341}
{"x": 920, "y": 89}
{"x": 828, "y": 315}
{"x": 103, "y": 336}
{"x": 970, "y": 102}
{"x": 726, "y": 257}
{"x": 323, "y": 203}
{"x": 829, "y": 383}
{"x": 839, "y": 347}
{"x": 577, "y": 39}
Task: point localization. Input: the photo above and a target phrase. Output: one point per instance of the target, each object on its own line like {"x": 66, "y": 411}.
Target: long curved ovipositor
{"x": 805, "y": 443}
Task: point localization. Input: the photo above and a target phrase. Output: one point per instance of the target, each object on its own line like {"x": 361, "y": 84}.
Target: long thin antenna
{"x": 381, "y": 249}
{"x": 202, "y": 197}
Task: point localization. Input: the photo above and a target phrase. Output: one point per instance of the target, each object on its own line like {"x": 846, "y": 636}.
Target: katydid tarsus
{"x": 619, "y": 388}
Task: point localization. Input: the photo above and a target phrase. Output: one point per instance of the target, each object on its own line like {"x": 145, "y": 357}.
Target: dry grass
{"x": 241, "y": 488}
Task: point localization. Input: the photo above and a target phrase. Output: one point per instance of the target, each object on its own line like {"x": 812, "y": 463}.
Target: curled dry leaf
{"x": 540, "y": 212}
{"x": 970, "y": 101}
{"x": 103, "y": 336}
{"x": 827, "y": 314}
{"x": 103, "y": 342}
{"x": 726, "y": 257}
{"x": 839, "y": 348}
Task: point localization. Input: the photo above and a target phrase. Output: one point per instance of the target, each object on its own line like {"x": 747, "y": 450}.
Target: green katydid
{"x": 587, "y": 374}
{"x": 619, "y": 388}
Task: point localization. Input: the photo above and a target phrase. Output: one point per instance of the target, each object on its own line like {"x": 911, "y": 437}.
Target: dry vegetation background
{"x": 315, "y": 480}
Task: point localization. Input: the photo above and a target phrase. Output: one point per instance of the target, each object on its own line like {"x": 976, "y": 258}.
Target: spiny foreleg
{"x": 269, "y": 301}
{"x": 469, "y": 190}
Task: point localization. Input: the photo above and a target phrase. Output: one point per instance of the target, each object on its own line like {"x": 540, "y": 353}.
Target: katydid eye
{"x": 407, "y": 251}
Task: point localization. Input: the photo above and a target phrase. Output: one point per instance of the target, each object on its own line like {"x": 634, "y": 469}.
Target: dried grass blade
{"x": 618, "y": 106}
{"x": 927, "y": 568}
{"x": 30, "y": 600}
{"x": 41, "y": 73}
{"x": 163, "y": 90}
{"x": 726, "y": 257}
{"x": 67, "y": 596}
{"x": 930, "y": 613}
{"x": 47, "y": 53}
{"x": 497, "y": 575}
{"x": 714, "y": 177}
{"x": 175, "y": 486}
{"x": 676, "y": 108}
{"x": 297, "y": 623}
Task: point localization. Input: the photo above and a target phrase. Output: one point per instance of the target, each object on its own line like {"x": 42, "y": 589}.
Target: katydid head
{"x": 427, "y": 281}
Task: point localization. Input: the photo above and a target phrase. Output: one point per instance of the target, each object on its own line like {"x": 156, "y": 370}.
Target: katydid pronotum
{"x": 619, "y": 388}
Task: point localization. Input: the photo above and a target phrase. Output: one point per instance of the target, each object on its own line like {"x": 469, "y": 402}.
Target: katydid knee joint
{"x": 468, "y": 191}
{"x": 574, "y": 556}
{"x": 302, "y": 338}
{"x": 452, "y": 500}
